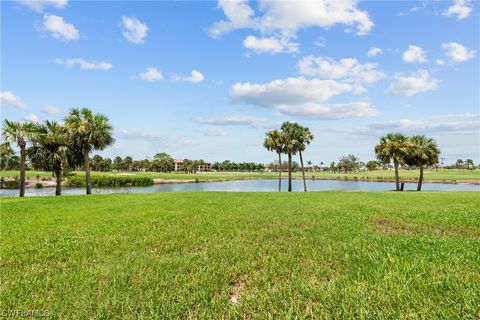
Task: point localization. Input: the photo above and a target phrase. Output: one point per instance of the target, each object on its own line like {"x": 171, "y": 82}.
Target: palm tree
{"x": 90, "y": 132}
{"x": 274, "y": 142}
{"x": 290, "y": 146}
{"x": 50, "y": 150}
{"x": 19, "y": 133}
{"x": 423, "y": 152}
{"x": 393, "y": 147}
{"x": 303, "y": 136}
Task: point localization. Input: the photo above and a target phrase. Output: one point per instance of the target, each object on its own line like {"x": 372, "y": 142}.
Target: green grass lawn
{"x": 341, "y": 255}
{"x": 446, "y": 174}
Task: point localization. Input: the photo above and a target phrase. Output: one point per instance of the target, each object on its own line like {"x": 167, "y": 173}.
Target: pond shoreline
{"x": 52, "y": 183}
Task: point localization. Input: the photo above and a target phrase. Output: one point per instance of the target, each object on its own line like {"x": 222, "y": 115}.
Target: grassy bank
{"x": 443, "y": 175}
{"x": 188, "y": 255}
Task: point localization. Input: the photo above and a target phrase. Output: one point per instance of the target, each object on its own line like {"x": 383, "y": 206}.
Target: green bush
{"x": 38, "y": 185}
{"x": 110, "y": 181}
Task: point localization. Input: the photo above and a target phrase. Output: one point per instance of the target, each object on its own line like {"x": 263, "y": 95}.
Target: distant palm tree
{"x": 50, "y": 150}
{"x": 469, "y": 162}
{"x": 422, "y": 152}
{"x": 393, "y": 147}
{"x": 274, "y": 142}
{"x": 290, "y": 146}
{"x": 90, "y": 132}
{"x": 303, "y": 136}
{"x": 19, "y": 133}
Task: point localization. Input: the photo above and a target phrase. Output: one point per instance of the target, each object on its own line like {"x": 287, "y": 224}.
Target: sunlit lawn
{"x": 189, "y": 255}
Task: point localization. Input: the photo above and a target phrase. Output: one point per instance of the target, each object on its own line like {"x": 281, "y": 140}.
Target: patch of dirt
{"x": 235, "y": 290}
{"x": 387, "y": 226}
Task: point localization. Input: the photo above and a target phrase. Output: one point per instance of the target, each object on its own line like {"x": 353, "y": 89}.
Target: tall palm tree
{"x": 290, "y": 146}
{"x": 19, "y": 133}
{"x": 423, "y": 152}
{"x": 50, "y": 150}
{"x": 90, "y": 132}
{"x": 304, "y": 137}
{"x": 393, "y": 147}
{"x": 274, "y": 142}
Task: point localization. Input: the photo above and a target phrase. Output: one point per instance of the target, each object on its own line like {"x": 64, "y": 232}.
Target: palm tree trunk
{"x": 420, "y": 179}
{"x": 87, "y": 172}
{"x": 279, "y": 172}
{"x": 58, "y": 186}
{"x": 289, "y": 172}
{"x": 303, "y": 172}
{"x": 22, "y": 169}
{"x": 397, "y": 178}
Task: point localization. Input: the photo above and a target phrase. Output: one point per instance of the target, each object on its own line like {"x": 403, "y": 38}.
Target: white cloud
{"x": 39, "y": 5}
{"x": 235, "y": 120}
{"x": 195, "y": 77}
{"x": 414, "y": 54}
{"x": 457, "y": 52}
{"x": 134, "y": 31}
{"x": 323, "y": 111}
{"x": 31, "y": 118}
{"x": 93, "y": 65}
{"x": 59, "y": 29}
{"x": 155, "y": 136}
{"x": 412, "y": 84}
{"x": 460, "y": 8}
{"x": 49, "y": 109}
{"x": 270, "y": 45}
{"x": 302, "y": 98}
{"x": 440, "y": 62}
{"x": 458, "y": 116}
{"x": 9, "y": 99}
{"x": 152, "y": 74}
{"x": 287, "y": 17}
{"x": 374, "y": 51}
{"x": 349, "y": 69}
{"x": 213, "y": 132}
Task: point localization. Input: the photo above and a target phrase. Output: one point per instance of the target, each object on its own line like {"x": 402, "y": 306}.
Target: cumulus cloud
{"x": 414, "y": 54}
{"x": 270, "y": 45}
{"x": 49, "y": 109}
{"x": 39, "y": 5}
{"x": 152, "y": 74}
{"x": 349, "y": 69}
{"x": 302, "y": 98}
{"x": 440, "y": 62}
{"x": 134, "y": 30}
{"x": 85, "y": 65}
{"x": 460, "y": 8}
{"x": 194, "y": 77}
{"x": 9, "y": 99}
{"x": 213, "y": 132}
{"x": 412, "y": 84}
{"x": 457, "y": 52}
{"x": 59, "y": 29}
{"x": 374, "y": 51}
{"x": 286, "y": 17}
{"x": 31, "y": 118}
{"x": 235, "y": 120}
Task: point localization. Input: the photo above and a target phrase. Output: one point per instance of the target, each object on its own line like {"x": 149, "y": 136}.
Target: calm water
{"x": 250, "y": 186}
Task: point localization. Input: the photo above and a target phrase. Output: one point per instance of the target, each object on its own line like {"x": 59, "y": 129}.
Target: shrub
{"x": 38, "y": 185}
{"x": 110, "y": 181}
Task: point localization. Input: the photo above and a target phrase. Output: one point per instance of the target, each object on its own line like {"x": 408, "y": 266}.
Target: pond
{"x": 250, "y": 186}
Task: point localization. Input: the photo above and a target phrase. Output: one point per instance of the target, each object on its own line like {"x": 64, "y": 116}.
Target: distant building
{"x": 202, "y": 167}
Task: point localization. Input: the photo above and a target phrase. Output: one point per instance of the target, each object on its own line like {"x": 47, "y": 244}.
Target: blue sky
{"x": 208, "y": 79}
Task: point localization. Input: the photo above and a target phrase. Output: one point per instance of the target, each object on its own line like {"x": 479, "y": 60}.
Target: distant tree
{"x": 348, "y": 163}
{"x": 372, "y": 165}
{"x": 163, "y": 162}
{"x": 96, "y": 163}
{"x": 127, "y": 163}
{"x": 90, "y": 132}
{"x": 469, "y": 163}
{"x": 19, "y": 133}
{"x": 393, "y": 147}
{"x": 422, "y": 152}
{"x": 333, "y": 166}
{"x": 8, "y": 159}
{"x": 274, "y": 142}
{"x": 117, "y": 163}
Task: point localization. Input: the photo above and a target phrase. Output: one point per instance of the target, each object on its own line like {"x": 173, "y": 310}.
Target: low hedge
{"x": 110, "y": 181}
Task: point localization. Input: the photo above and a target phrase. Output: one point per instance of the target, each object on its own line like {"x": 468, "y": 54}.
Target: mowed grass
{"x": 445, "y": 174}
{"x": 342, "y": 255}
